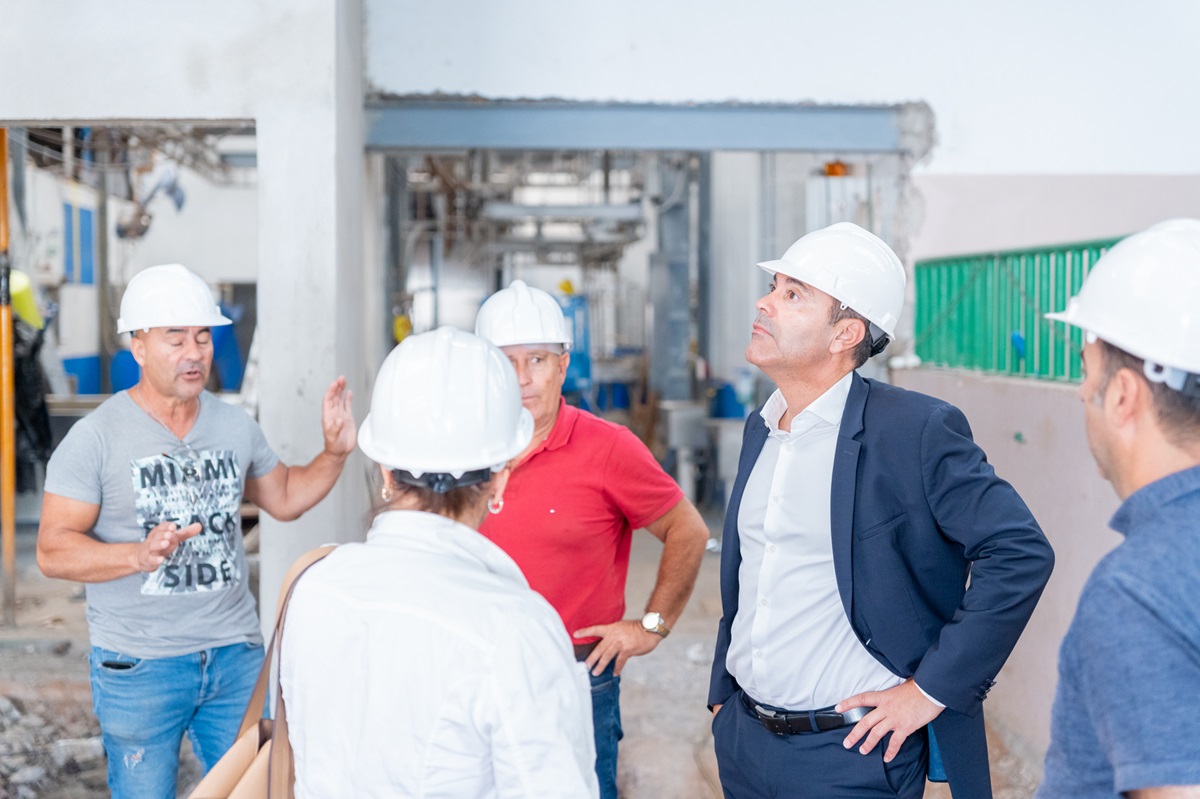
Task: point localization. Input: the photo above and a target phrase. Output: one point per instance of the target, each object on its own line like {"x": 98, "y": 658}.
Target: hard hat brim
{"x": 774, "y": 267}
{"x": 395, "y": 458}
{"x": 1062, "y": 316}
{"x": 216, "y": 320}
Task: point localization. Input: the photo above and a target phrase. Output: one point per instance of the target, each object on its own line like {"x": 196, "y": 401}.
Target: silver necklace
{"x": 141, "y": 403}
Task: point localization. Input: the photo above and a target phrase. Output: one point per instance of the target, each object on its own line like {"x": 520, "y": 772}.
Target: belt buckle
{"x": 772, "y": 721}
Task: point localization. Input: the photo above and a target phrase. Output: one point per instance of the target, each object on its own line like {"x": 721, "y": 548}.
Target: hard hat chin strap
{"x": 879, "y": 339}
{"x": 1184, "y": 382}
{"x": 441, "y": 482}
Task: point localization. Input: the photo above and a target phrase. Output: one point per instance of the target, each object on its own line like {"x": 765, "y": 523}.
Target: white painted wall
{"x": 982, "y": 213}
{"x": 1022, "y": 87}
{"x": 140, "y": 59}
{"x": 215, "y": 234}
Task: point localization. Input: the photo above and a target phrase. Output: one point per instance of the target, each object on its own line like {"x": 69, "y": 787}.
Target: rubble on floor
{"x": 49, "y": 741}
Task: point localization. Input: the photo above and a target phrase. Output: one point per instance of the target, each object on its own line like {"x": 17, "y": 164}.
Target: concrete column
{"x": 311, "y": 287}
{"x": 735, "y": 233}
{"x": 377, "y": 247}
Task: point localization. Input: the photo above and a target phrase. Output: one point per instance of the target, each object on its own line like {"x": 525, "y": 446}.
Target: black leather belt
{"x": 797, "y": 723}
{"x": 583, "y": 650}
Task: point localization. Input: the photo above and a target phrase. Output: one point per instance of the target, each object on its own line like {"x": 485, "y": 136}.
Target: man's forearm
{"x": 683, "y": 549}
{"x": 67, "y": 549}
{"x": 79, "y": 557}
{"x": 674, "y": 585}
{"x": 307, "y": 485}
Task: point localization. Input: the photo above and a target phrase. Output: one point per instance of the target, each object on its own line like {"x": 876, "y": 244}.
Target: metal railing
{"x": 985, "y": 312}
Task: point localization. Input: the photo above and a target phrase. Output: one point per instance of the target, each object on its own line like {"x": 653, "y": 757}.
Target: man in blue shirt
{"x": 1124, "y": 719}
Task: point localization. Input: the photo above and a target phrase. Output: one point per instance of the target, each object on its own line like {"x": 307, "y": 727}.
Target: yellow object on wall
{"x": 401, "y": 327}
{"x": 23, "y": 303}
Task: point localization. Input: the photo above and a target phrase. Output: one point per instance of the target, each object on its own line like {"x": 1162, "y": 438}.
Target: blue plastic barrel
{"x": 725, "y": 404}
{"x": 124, "y": 371}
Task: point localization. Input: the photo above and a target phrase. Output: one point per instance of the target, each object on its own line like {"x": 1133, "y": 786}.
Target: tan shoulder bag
{"x": 259, "y": 764}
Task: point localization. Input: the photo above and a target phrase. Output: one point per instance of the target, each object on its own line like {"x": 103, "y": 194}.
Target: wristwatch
{"x": 653, "y": 623}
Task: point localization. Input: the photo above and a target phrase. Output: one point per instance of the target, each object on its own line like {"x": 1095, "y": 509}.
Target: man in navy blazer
{"x": 876, "y": 573}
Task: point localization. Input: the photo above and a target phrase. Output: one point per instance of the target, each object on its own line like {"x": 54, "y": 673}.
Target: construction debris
{"x": 45, "y": 754}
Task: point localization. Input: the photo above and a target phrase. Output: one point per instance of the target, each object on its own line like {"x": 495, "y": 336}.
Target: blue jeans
{"x": 145, "y": 708}
{"x": 606, "y": 723}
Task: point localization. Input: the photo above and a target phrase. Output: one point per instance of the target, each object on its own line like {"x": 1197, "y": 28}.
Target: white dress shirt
{"x": 791, "y": 644}
{"x": 420, "y": 664}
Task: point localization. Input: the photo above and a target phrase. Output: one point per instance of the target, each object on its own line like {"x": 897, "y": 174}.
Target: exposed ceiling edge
{"x": 425, "y": 122}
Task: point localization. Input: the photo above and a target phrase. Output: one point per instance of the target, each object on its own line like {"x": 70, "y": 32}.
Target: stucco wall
{"x": 980, "y": 213}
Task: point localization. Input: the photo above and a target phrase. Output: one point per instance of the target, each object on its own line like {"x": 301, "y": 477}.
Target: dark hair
{"x": 1178, "y": 413}
{"x": 839, "y": 311}
{"x": 452, "y": 503}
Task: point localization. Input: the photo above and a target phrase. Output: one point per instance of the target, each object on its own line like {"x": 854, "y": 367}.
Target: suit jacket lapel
{"x": 841, "y": 495}
{"x": 753, "y": 438}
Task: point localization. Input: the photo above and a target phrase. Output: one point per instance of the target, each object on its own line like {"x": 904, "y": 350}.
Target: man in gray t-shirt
{"x": 142, "y": 504}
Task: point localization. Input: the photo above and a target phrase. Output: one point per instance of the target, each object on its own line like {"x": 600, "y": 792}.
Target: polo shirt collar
{"x": 1147, "y": 502}
{"x": 564, "y": 424}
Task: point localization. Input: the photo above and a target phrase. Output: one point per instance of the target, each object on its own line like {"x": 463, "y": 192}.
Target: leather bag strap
{"x": 257, "y": 704}
{"x": 281, "y": 775}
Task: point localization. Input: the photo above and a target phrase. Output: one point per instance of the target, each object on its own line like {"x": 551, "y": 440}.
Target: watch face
{"x": 651, "y": 621}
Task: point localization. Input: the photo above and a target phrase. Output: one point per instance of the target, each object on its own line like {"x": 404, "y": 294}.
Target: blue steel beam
{"x": 421, "y": 124}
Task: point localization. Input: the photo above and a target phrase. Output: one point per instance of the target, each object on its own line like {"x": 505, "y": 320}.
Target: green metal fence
{"x": 985, "y": 312}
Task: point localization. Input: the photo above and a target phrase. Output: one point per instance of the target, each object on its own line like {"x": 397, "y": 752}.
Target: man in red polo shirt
{"x": 577, "y": 493}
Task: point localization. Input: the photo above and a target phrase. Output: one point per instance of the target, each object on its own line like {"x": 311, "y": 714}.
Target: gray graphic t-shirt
{"x": 189, "y": 487}
{"x": 141, "y": 475}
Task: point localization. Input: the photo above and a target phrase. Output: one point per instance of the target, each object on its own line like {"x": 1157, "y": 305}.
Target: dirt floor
{"x": 49, "y": 744}
{"x": 49, "y": 737}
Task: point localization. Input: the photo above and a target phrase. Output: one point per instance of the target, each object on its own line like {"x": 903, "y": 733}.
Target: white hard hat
{"x": 445, "y": 402}
{"x": 170, "y": 295}
{"x": 1143, "y": 296}
{"x": 855, "y": 267}
{"x": 521, "y": 314}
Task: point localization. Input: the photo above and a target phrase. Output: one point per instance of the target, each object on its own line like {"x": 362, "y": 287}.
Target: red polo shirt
{"x": 570, "y": 510}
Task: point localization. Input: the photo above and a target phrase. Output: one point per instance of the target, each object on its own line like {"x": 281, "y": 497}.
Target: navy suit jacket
{"x": 915, "y": 509}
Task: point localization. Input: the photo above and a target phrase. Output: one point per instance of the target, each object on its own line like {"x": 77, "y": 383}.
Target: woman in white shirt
{"x": 419, "y": 663}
